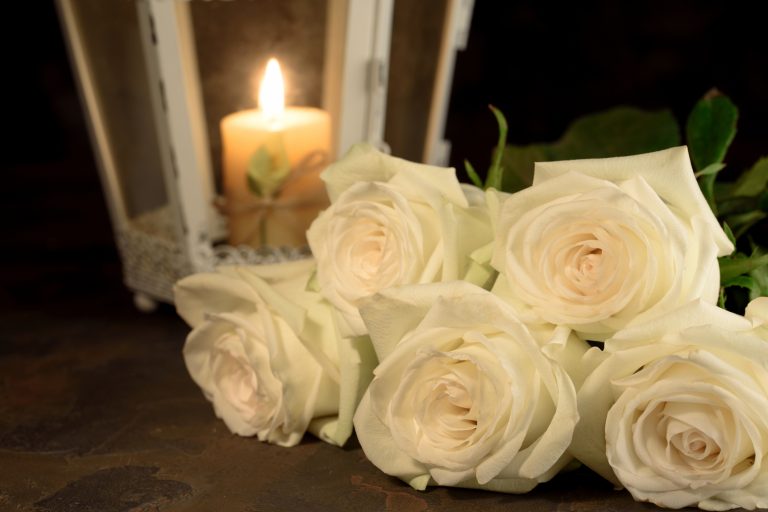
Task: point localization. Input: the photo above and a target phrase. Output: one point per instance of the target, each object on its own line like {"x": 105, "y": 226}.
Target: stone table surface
{"x": 97, "y": 413}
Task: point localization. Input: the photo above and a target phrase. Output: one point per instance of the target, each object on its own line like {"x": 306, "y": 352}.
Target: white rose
{"x": 757, "y": 313}
{"x": 597, "y": 244}
{"x": 676, "y": 411}
{"x": 391, "y": 222}
{"x": 463, "y": 395}
{"x": 267, "y": 353}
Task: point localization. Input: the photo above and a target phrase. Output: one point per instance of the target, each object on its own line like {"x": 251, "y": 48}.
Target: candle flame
{"x": 272, "y": 92}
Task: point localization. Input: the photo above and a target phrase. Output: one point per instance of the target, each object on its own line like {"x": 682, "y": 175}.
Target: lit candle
{"x": 272, "y": 159}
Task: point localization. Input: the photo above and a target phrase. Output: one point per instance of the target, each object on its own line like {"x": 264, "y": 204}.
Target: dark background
{"x": 57, "y": 239}
{"x": 542, "y": 63}
{"x": 546, "y": 63}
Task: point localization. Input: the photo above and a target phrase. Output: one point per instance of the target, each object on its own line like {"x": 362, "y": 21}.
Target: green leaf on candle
{"x": 268, "y": 169}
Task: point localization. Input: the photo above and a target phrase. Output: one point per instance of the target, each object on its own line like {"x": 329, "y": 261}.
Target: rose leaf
{"x": 619, "y": 131}
{"x": 711, "y": 169}
{"x": 743, "y": 282}
{"x": 743, "y": 222}
{"x": 711, "y": 128}
{"x": 472, "y": 173}
{"x": 496, "y": 172}
{"x": 739, "y": 264}
{"x": 729, "y": 233}
{"x": 518, "y": 164}
{"x": 753, "y": 181}
{"x": 707, "y": 178}
{"x": 760, "y": 274}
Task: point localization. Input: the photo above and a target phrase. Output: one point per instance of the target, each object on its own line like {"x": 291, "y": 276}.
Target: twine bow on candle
{"x": 275, "y": 197}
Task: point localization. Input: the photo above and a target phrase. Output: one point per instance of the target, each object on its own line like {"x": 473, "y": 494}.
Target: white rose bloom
{"x": 757, "y": 313}
{"x": 391, "y": 222}
{"x": 463, "y": 395}
{"x": 266, "y": 352}
{"x": 597, "y": 244}
{"x": 682, "y": 402}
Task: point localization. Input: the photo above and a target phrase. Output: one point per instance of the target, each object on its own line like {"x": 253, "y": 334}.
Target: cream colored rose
{"x": 463, "y": 395}
{"x": 267, "y": 353}
{"x": 597, "y": 244}
{"x": 682, "y": 402}
{"x": 391, "y": 222}
{"x": 757, "y": 313}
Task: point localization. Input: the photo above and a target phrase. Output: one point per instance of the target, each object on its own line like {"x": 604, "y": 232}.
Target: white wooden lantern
{"x": 147, "y": 73}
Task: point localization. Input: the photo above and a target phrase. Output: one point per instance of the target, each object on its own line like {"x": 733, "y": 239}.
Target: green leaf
{"x": 473, "y": 174}
{"x": 760, "y": 275}
{"x": 257, "y": 166}
{"x": 707, "y": 179}
{"x": 710, "y": 129}
{"x": 723, "y": 191}
{"x": 496, "y": 172}
{"x": 742, "y": 282}
{"x": 619, "y": 131}
{"x": 742, "y": 222}
{"x": 267, "y": 170}
{"x": 710, "y": 170}
{"x": 753, "y": 181}
{"x": 735, "y": 205}
{"x": 518, "y": 164}
{"x": 756, "y": 249}
{"x": 738, "y": 264}
{"x": 729, "y": 233}
{"x": 761, "y": 278}
{"x": 721, "y": 298}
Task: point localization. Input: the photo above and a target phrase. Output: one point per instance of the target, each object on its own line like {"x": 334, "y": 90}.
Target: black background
{"x": 546, "y": 63}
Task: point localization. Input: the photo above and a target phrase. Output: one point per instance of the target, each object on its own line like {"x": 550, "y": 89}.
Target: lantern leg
{"x": 144, "y": 302}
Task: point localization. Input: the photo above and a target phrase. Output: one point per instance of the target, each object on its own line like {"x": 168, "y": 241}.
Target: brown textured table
{"x": 97, "y": 413}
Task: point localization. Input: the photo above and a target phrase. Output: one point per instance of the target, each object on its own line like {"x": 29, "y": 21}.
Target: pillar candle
{"x": 297, "y": 136}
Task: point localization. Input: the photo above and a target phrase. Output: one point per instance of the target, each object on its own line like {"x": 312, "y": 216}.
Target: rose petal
{"x": 668, "y": 171}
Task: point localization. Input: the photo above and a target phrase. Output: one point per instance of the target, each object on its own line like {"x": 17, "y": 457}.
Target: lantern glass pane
{"x": 417, "y": 29}
{"x": 233, "y": 42}
{"x": 116, "y": 63}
